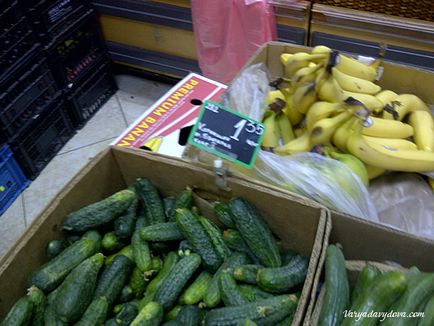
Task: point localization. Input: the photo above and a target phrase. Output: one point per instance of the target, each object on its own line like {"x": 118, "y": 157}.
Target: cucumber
{"x": 124, "y": 224}
{"x": 247, "y": 273}
{"x": 141, "y": 252}
{"x": 113, "y": 278}
{"x": 162, "y": 232}
{"x": 20, "y": 313}
{"x": 171, "y": 323}
{"x": 183, "y": 200}
{"x": 188, "y": 315}
{"x": 99, "y": 213}
{"x": 137, "y": 282}
{"x": 162, "y": 248}
{"x": 212, "y": 296}
{"x": 366, "y": 277}
{"x": 127, "y": 294}
{"x": 125, "y": 251}
{"x": 149, "y": 297}
{"x": 156, "y": 265}
{"x": 111, "y": 242}
{"x": 235, "y": 242}
{"x": 224, "y": 215}
{"x": 127, "y": 314}
{"x": 428, "y": 317}
{"x": 173, "y": 284}
{"x": 247, "y": 322}
{"x": 229, "y": 291}
{"x": 76, "y": 291}
{"x": 386, "y": 289}
{"x": 169, "y": 207}
{"x": 54, "y": 248}
{"x": 287, "y": 321}
{"x": 95, "y": 236}
{"x": 420, "y": 288}
{"x": 255, "y": 232}
{"x": 49, "y": 275}
{"x": 216, "y": 237}
{"x": 169, "y": 262}
{"x": 39, "y": 302}
{"x": 196, "y": 291}
{"x": 70, "y": 239}
{"x": 173, "y": 313}
{"x": 287, "y": 256}
{"x": 151, "y": 201}
{"x": 185, "y": 245}
{"x": 95, "y": 314}
{"x": 282, "y": 279}
{"x": 149, "y": 315}
{"x": 198, "y": 238}
{"x": 337, "y": 289}
{"x": 266, "y": 312}
{"x": 253, "y": 293}
{"x": 51, "y": 318}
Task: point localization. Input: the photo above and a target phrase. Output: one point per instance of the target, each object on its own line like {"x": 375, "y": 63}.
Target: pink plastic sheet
{"x": 228, "y": 32}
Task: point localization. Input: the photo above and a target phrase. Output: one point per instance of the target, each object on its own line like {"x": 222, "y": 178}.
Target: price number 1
{"x": 249, "y": 126}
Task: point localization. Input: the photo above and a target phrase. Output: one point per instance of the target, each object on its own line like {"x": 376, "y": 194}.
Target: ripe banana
{"x": 305, "y": 74}
{"x": 300, "y": 60}
{"x": 304, "y": 97}
{"x": 387, "y": 157}
{"x": 388, "y": 129}
{"x": 423, "y": 125}
{"x": 404, "y": 104}
{"x": 285, "y": 128}
{"x": 369, "y": 101}
{"x": 374, "y": 171}
{"x": 392, "y": 142}
{"x": 386, "y": 96}
{"x": 274, "y": 95}
{"x": 321, "y": 110}
{"x": 299, "y": 131}
{"x": 354, "y": 84}
{"x": 329, "y": 89}
{"x": 284, "y": 57}
{"x": 271, "y": 135}
{"x": 291, "y": 112}
{"x": 342, "y": 133}
{"x": 297, "y": 145}
{"x": 323, "y": 130}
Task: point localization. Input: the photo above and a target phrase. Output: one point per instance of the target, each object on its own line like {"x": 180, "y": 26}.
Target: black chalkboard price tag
{"x": 227, "y": 134}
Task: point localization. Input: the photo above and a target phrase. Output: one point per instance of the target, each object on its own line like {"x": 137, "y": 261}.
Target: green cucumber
{"x": 255, "y": 232}
{"x": 224, "y": 215}
{"x": 111, "y": 242}
{"x": 162, "y": 232}
{"x": 196, "y": 291}
{"x": 48, "y": 276}
{"x": 113, "y": 278}
{"x": 428, "y": 317}
{"x": 70, "y": 239}
{"x": 20, "y": 314}
{"x": 185, "y": 245}
{"x": 95, "y": 236}
{"x": 169, "y": 207}
{"x": 125, "y": 251}
{"x": 216, "y": 237}
{"x": 169, "y": 262}
{"x": 76, "y": 291}
{"x": 162, "y": 248}
{"x": 188, "y": 315}
{"x": 198, "y": 238}
{"x": 174, "y": 283}
{"x": 253, "y": 293}
{"x": 212, "y": 297}
{"x": 247, "y": 273}
{"x": 54, "y": 248}
{"x": 95, "y": 313}
{"x": 124, "y": 224}
{"x": 287, "y": 321}
{"x": 51, "y": 318}
{"x": 127, "y": 294}
{"x": 151, "y": 201}
{"x": 127, "y": 314}
{"x": 235, "y": 242}
{"x": 386, "y": 289}
{"x": 156, "y": 265}
{"x": 99, "y": 213}
{"x": 366, "y": 277}
{"x": 287, "y": 256}
{"x": 141, "y": 251}
{"x": 171, "y": 323}
{"x": 247, "y": 322}
{"x": 337, "y": 288}
{"x": 229, "y": 291}
{"x": 266, "y": 312}
{"x": 137, "y": 282}
{"x": 39, "y": 302}
{"x": 419, "y": 290}
{"x": 282, "y": 279}
{"x": 149, "y": 297}
{"x": 183, "y": 200}
{"x": 173, "y": 313}
{"x": 149, "y": 315}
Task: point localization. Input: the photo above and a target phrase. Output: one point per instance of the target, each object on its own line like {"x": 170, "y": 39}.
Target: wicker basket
{"x": 416, "y": 9}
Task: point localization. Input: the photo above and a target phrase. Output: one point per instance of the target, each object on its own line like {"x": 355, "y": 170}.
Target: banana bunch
{"x": 330, "y": 99}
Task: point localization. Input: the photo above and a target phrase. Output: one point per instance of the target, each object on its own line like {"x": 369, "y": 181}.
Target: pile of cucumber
{"x": 135, "y": 258}
{"x": 391, "y": 292}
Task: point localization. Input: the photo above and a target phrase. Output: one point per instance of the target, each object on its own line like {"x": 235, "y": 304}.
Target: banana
{"x": 423, "y": 125}
{"x": 284, "y": 57}
{"x": 388, "y": 129}
{"x": 274, "y": 95}
{"x": 304, "y": 97}
{"x": 386, "y": 96}
{"x": 404, "y": 104}
{"x": 340, "y": 137}
{"x": 291, "y": 112}
{"x": 328, "y": 88}
{"x": 285, "y": 128}
{"x": 323, "y": 130}
{"x": 321, "y": 110}
{"x": 299, "y": 131}
{"x": 271, "y": 136}
{"x": 388, "y": 158}
{"x": 369, "y": 101}
{"x": 431, "y": 183}
{"x": 300, "y": 60}
{"x": 354, "y": 84}
{"x": 392, "y": 142}
{"x": 305, "y": 74}
{"x": 374, "y": 172}
{"x": 297, "y": 145}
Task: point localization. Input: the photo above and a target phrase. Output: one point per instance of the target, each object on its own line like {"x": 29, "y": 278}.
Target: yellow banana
{"x": 329, "y": 89}
{"x": 297, "y": 145}
{"x": 386, "y": 96}
{"x": 321, "y": 110}
{"x": 285, "y": 128}
{"x": 304, "y": 97}
{"x": 370, "y": 101}
{"x": 354, "y": 84}
{"x": 271, "y": 135}
{"x": 388, "y": 129}
{"x": 323, "y": 130}
{"x": 299, "y": 131}
{"x": 284, "y": 57}
{"x": 342, "y": 133}
{"x": 423, "y": 125}
{"x": 388, "y": 158}
{"x": 274, "y": 95}
{"x": 291, "y": 112}
{"x": 300, "y": 60}
{"x": 305, "y": 74}
{"x": 404, "y": 104}
{"x": 392, "y": 142}
{"x": 374, "y": 171}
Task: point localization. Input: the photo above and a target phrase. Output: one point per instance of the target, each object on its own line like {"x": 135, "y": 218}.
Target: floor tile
{"x": 12, "y": 225}
{"x": 56, "y": 175}
{"x": 106, "y": 123}
{"x": 132, "y": 110}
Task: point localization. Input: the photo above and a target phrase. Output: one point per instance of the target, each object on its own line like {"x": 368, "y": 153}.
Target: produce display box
{"x": 301, "y": 225}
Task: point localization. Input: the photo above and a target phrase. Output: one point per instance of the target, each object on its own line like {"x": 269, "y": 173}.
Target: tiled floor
{"x": 135, "y": 95}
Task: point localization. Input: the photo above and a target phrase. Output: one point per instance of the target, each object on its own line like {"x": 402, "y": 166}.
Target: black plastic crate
{"x": 24, "y": 95}
{"x": 90, "y": 93}
{"x": 50, "y": 18}
{"x": 10, "y": 14}
{"x": 79, "y": 49}
{"x": 41, "y": 141}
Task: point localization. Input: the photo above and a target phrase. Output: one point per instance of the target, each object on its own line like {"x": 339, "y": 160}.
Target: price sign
{"x": 227, "y": 133}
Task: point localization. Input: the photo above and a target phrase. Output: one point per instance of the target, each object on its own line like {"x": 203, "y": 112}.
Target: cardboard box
{"x": 301, "y": 225}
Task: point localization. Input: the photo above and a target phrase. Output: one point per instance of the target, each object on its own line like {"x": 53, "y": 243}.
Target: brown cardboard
{"x": 299, "y": 224}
